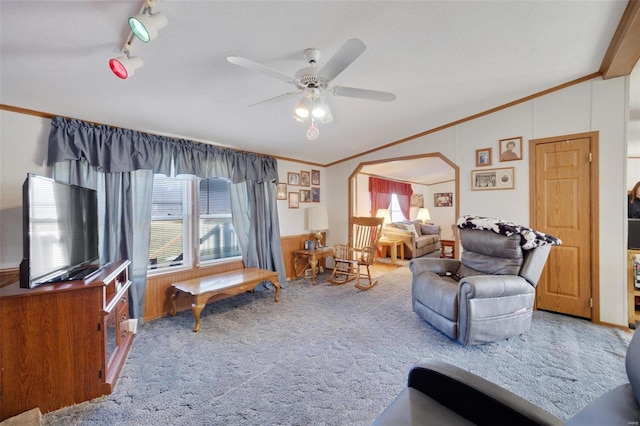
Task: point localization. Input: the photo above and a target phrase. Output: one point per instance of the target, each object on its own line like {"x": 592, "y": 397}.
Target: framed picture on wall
{"x": 483, "y": 157}
{"x": 315, "y": 195}
{"x": 294, "y": 200}
{"x": 510, "y": 149}
{"x": 486, "y": 179}
{"x": 281, "y": 191}
{"x": 315, "y": 177}
{"x": 443, "y": 199}
{"x": 305, "y": 196}
{"x": 305, "y": 178}
{"x": 417, "y": 200}
{"x": 293, "y": 178}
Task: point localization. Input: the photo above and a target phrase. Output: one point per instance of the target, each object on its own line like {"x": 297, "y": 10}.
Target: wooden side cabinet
{"x": 633, "y": 277}
{"x": 63, "y": 343}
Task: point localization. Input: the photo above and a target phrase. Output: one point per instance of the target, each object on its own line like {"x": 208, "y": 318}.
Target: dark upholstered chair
{"x": 442, "y": 394}
{"x": 485, "y": 296}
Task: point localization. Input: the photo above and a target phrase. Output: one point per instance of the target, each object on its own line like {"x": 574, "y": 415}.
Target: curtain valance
{"x": 113, "y": 150}
{"x": 384, "y": 186}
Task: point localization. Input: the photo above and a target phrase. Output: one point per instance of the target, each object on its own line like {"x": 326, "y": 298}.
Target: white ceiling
{"x": 445, "y": 60}
{"x": 425, "y": 170}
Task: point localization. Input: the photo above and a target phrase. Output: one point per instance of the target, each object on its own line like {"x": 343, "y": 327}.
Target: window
{"x": 394, "y": 210}
{"x": 216, "y": 234}
{"x": 174, "y": 218}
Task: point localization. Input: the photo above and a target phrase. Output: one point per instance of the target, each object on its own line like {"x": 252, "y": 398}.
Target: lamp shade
{"x": 320, "y": 108}
{"x": 124, "y": 67}
{"x": 384, "y": 213}
{"x": 318, "y": 219}
{"x": 146, "y": 27}
{"x": 423, "y": 215}
{"x": 302, "y": 109}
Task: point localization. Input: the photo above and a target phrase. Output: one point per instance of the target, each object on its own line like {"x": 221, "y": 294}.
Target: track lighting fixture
{"x": 315, "y": 106}
{"x": 145, "y": 27}
{"x": 125, "y": 66}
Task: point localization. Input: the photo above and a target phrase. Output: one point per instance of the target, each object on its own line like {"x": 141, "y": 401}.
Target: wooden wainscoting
{"x": 157, "y": 300}
{"x": 8, "y": 276}
{"x": 291, "y": 243}
{"x": 158, "y": 292}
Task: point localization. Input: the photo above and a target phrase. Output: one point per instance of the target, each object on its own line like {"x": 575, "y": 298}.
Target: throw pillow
{"x": 411, "y": 227}
{"x": 429, "y": 229}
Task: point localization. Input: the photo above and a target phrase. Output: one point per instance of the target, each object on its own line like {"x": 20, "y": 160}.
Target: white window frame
{"x": 196, "y": 236}
{"x": 191, "y": 232}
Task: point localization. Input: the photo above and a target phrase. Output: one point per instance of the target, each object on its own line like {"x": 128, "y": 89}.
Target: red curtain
{"x": 380, "y": 191}
{"x": 379, "y": 200}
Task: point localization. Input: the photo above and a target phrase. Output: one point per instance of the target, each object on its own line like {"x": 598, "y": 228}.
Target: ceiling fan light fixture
{"x": 125, "y": 66}
{"x": 327, "y": 118}
{"x": 302, "y": 109}
{"x": 145, "y": 26}
{"x": 313, "y": 132}
{"x": 320, "y": 108}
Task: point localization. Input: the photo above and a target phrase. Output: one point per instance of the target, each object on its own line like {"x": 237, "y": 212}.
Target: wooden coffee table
{"x": 219, "y": 286}
{"x": 383, "y": 243}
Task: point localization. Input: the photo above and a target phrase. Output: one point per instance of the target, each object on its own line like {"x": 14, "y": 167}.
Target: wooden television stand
{"x": 63, "y": 343}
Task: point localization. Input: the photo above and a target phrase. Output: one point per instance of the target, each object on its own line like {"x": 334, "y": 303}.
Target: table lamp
{"x": 384, "y": 213}
{"x": 423, "y": 215}
{"x": 318, "y": 221}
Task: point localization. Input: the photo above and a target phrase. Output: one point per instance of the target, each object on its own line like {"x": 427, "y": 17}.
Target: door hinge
{"x": 590, "y": 157}
{"x": 591, "y": 302}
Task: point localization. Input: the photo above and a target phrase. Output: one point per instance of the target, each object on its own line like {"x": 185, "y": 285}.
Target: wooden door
{"x": 563, "y": 199}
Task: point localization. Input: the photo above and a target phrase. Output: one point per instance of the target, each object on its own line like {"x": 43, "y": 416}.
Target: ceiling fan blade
{"x": 373, "y": 95}
{"x": 277, "y": 98}
{"x": 254, "y": 66}
{"x": 348, "y": 53}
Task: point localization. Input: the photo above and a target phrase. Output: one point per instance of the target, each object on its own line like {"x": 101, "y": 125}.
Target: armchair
{"x": 485, "y": 296}
{"x": 442, "y": 394}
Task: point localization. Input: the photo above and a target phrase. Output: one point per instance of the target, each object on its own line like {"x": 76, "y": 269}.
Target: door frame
{"x": 594, "y": 234}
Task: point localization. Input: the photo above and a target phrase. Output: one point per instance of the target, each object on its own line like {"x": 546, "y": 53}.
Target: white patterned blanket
{"x": 529, "y": 238}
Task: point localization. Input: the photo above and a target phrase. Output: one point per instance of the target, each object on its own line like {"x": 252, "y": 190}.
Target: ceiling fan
{"x": 312, "y": 81}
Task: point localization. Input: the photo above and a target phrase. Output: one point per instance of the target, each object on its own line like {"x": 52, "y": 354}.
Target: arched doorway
{"x": 429, "y": 170}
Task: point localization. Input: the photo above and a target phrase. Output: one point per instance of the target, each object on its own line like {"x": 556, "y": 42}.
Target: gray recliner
{"x": 441, "y": 394}
{"x": 485, "y": 296}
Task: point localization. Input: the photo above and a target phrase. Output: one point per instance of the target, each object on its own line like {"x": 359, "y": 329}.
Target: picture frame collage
{"x": 509, "y": 149}
{"x": 309, "y": 192}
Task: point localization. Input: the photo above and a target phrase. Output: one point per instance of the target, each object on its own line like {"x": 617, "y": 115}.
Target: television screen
{"x": 60, "y": 231}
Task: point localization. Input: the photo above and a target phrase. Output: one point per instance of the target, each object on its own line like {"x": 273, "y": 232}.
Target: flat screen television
{"x": 60, "y": 232}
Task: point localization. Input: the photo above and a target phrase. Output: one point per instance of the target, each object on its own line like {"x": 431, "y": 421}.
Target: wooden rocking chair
{"x": 361, "y": 252}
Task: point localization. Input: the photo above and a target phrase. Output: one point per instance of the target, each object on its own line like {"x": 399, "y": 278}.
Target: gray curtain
{"x": 259, "y": 239}
{"x": 120, "y": 164}
{"x": 124, "y": 225}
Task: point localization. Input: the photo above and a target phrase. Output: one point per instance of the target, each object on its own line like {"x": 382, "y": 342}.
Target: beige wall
{"x": 596, "y": 105}
{"x": 591, "y": 106}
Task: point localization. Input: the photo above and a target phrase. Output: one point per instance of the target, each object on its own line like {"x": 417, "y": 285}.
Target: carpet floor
{"x": 332, "y": 355}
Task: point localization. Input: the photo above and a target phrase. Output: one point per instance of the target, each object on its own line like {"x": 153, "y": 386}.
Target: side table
{"x": 383, "y": 243}
{"x": 312, "y": 257}
{"x": 448, "y": 243}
